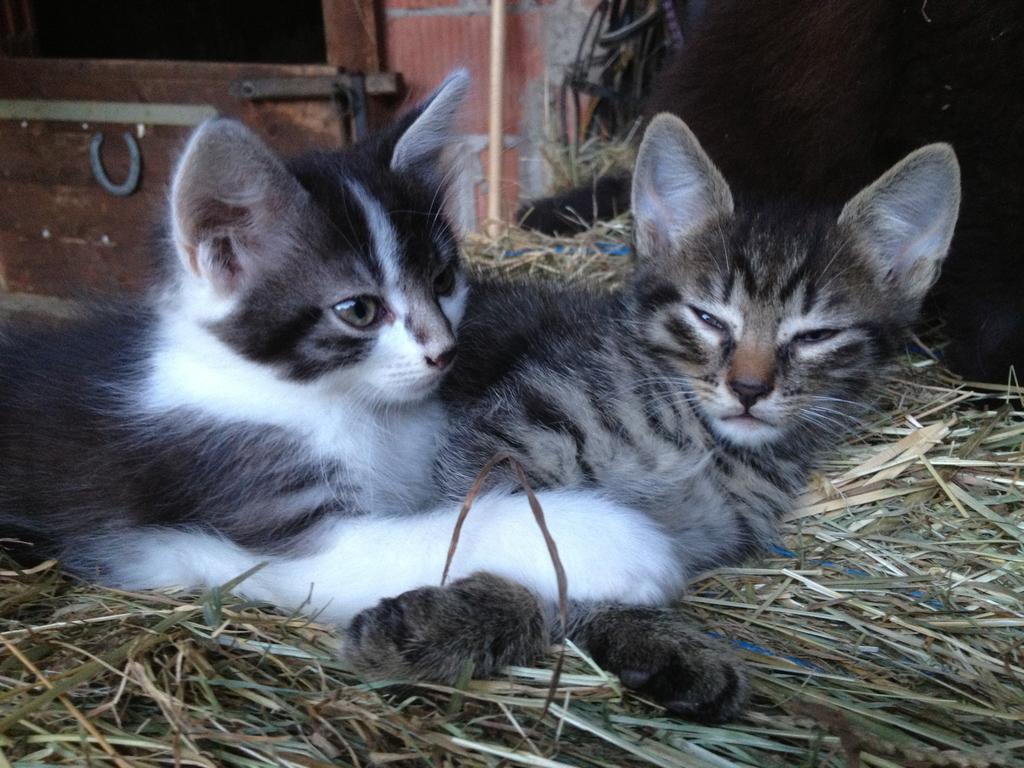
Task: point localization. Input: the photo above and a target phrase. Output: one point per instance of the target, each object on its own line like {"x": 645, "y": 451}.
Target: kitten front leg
{"x": 658, "y": 653}
{"x": 432, "y": 632}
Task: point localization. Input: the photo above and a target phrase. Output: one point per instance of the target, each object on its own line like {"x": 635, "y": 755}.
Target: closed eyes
{"x": 805, "y": 338}
{"x": 816, "y": 335}
{"x": 707, "y": 318}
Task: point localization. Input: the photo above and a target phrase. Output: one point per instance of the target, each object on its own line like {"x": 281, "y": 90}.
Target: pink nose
{"x": 442, "y": 360}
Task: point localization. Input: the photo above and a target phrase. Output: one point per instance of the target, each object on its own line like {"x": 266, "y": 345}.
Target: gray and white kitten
{"x": 275, "y": 402}
{"x": 277, "y": 388}
{"x": 700, "y": 396}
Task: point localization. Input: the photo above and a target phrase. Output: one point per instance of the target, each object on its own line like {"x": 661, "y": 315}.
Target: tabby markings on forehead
{"x": 727, "y": 286}
{"x": 797, "y": 278}
{"x": 658, "y": 296}
{"x": 382, "y": 232}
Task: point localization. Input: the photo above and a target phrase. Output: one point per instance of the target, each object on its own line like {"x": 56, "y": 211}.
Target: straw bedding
{"x": 887, "y": 630}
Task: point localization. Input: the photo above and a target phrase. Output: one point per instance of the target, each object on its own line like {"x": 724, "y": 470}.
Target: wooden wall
{"x": 61, "y": 233}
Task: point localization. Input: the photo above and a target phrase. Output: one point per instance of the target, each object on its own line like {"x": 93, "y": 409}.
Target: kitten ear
{"x": 232, "y": 201}
{"x": 904, "y": 221}
{"x": 430, "y": 130}
{"x": 676, "y": 187}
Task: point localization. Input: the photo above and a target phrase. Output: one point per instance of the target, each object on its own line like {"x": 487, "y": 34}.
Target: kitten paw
{"x": 431, "y": 633}
{"x": 658, "y": 654}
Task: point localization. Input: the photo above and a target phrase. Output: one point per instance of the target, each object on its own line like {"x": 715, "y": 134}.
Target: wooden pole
{"x": 496, "y": 141}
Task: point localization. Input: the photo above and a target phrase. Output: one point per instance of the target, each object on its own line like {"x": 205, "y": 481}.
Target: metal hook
{"x": 131, "y": 183}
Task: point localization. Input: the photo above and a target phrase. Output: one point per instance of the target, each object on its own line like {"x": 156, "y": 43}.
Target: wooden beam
{"x": 496, "y": 118}
{"x": 354, "y": 34}
{"x": 289, "y": 126}
{"x": 17, "y": 28}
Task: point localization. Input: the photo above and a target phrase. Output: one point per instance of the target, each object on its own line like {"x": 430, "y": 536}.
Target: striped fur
{"x": 750, "y": 339}
{"x": 699, "y": 397}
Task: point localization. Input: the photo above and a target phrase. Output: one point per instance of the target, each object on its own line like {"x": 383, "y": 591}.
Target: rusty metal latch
{"x": 313, "y": 86}
{"x": 347, "y": 91}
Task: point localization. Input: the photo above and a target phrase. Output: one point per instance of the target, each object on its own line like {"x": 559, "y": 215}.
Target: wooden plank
{"x": 353, "y": 32}
{"x": 105, "y": 111}
{"x": 58, "y": 153}
{"x": 62, "y": 240}
{"x": 60, "y": 232}
{"x": 93, "y": 76}
{"x": 61, "y": 268}
{"x": 292, "y": 125}
{"x": 82, "y": 215}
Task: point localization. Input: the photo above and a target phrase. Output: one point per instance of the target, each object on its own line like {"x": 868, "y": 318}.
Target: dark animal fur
{"x": 484, "y": 623}
{"x": 812, "y": 100}
{"x": 86, "y": 469}
{"x": 621, "y": 393}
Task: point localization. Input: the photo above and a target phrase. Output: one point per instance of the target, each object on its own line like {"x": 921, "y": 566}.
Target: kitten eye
{"x": 444, "y": 283}
{"x": 708, "y": 319}
{"x": 359, "y": 311}
{"x": 813, "y": 337}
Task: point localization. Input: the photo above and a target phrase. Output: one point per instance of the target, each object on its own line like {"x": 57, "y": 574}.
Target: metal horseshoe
{"x": 131, "y": 183}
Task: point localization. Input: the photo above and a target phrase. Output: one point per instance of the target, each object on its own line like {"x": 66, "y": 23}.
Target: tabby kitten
{"x": 701, "y": 395}
{"x": 811, "y": 98}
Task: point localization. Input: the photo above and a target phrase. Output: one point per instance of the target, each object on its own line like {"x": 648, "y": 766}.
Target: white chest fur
{"x": 386, "y": 452}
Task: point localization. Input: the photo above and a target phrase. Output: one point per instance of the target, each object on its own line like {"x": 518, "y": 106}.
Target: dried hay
{"x": 570, "y": 166}
{"x": 889, "y": 630}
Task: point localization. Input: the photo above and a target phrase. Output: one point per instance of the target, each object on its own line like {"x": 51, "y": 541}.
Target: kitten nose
{"x": 442, "y": 360}
{"x": 749, "y": 391}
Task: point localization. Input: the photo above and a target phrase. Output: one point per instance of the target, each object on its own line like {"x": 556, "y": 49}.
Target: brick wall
{"x": 428, "y": 38}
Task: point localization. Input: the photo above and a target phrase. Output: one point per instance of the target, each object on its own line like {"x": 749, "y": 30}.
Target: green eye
{"x": 813, "y": 337}
{"x": 444, "y": 283}
{"x": 359, "y": 311}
